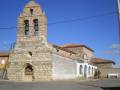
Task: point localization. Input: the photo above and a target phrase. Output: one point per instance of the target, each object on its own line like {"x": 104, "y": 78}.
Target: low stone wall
{"x": 106, "y": 71}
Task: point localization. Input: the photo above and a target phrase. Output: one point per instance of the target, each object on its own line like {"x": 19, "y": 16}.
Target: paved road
{"x": 61, "y": 85}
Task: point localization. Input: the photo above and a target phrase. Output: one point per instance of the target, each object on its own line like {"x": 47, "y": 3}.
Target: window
{"x": 36, "y": 27}
{"x": 26, "y": 22}
{"x": 92, "y": 71}
{"x": 85, "y": 71}
{"x": 57, "y": 50}
{"x": 80, "y": 69}
{"x": 89, "y": 70}
{"x": 31, "y": 11}
{"x": 30, "y": 53}
{"x": 28, "y": 69}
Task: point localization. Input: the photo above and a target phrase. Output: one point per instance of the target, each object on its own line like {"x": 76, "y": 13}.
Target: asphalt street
{"x": 62, "y": 85}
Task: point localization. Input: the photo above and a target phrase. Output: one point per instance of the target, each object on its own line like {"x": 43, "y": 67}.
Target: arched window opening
{"x": 31, "y": 11}
{"x": 89, "y": 70}
{"x": 36, "y": 27}
{"x": 92, "y": 71}
{"x": 80, "y": 69}
{"x": 57, "y": 50}
{"x": 30, "y": 53}
{"x": 26, "y": 22}
{"x": 28, "y": 69}
{"x": 85, "y": 71}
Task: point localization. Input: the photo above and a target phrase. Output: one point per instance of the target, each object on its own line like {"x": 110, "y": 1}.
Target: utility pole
{"x": 118, "y": 13}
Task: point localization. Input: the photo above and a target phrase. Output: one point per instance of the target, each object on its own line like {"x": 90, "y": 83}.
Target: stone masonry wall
{"x": 105, "y": 65}
{"x": 40, "y": 62}
{"x": 88, "y": 53}
{"x": 106, "y": 71}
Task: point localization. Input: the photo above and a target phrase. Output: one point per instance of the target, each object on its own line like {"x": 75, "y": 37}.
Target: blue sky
{"x": 98, "y": 33}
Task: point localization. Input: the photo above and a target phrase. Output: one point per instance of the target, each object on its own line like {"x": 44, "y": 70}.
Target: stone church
{"x": 34, "y": 59}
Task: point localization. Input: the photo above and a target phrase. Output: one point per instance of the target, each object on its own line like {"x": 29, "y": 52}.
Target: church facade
{"x": 34, "y": 59}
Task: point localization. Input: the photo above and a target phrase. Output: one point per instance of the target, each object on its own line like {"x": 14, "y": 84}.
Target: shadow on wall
{"x": 110, "y": 88}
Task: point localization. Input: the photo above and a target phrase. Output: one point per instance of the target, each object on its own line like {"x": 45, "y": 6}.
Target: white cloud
{"x": 115, "y": 46}
{"x": 112, "y": 52}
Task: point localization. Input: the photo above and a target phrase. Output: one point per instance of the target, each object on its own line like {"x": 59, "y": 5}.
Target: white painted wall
{"x": 88, "y": 73}
{"x": 63, "y": 68}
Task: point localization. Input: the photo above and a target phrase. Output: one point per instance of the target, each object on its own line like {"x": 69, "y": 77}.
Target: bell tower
{"x": 30, "y": 59}
{"x": 31, "y": 25}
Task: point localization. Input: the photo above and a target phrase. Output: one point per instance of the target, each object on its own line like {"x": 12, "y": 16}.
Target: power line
{"x": 85, "y": 18}
{"x": 8, "y": 27}
{"x": 69, "y": 21}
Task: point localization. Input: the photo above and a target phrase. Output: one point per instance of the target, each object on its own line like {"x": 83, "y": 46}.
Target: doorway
{"x": 28, "y": 72}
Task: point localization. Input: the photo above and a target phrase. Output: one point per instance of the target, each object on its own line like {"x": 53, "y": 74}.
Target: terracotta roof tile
{"x": 100, "y": 61}
{"x": 75, "y": 45}
{"x": 64, "y": 49}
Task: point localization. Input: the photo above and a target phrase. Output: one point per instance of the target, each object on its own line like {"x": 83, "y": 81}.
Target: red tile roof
{"x": 75, "y": 45}
{"x": 64, "y": 49}
{"x": 100, "y": 61}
